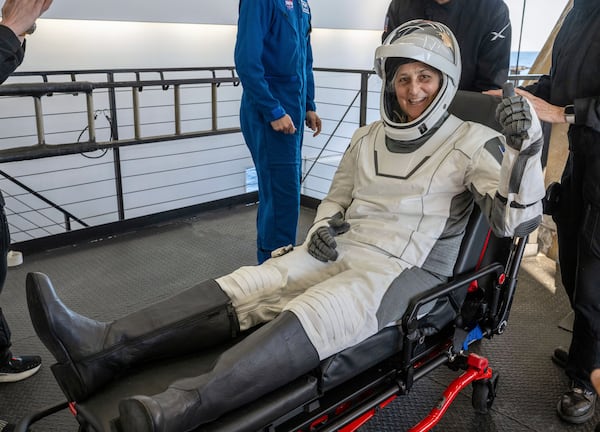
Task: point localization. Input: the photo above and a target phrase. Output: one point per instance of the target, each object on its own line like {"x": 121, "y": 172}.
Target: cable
{"x": 108, "y": 119}
{"x": 520, "y": 36}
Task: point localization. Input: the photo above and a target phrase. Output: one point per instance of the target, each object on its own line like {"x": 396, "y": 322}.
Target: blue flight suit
{"x": 273, "y": 58}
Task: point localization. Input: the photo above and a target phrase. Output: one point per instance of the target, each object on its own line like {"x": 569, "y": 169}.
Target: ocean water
{"x": 526, "y": 59}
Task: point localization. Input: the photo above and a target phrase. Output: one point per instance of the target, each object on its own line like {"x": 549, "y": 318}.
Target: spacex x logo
{"x": 499, "y": 35}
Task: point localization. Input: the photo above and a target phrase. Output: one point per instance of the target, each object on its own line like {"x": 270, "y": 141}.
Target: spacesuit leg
{"x": 259, "y": 293}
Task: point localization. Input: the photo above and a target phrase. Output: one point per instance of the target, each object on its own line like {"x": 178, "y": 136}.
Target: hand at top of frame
{"x": 20, "y": 15}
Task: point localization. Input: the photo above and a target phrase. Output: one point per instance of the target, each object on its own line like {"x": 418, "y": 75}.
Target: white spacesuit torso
{"x": 414, "y": 205}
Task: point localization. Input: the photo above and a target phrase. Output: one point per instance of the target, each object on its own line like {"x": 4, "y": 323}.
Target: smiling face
{"x": 416, "y": 85}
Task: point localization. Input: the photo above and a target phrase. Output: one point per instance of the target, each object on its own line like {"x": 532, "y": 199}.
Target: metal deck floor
{"x": 111, "y": 277}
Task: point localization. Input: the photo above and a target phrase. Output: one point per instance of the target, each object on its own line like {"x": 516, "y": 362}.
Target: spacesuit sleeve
{"x": 340, "y": 193}
{"x": 253, "y": 24}
{"x": 511, "y": 197}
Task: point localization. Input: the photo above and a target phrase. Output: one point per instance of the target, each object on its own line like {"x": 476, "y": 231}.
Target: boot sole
{"x": 64, "y": 370}
{"x": 574, "y": 419}
{"x": 14, "y": 377}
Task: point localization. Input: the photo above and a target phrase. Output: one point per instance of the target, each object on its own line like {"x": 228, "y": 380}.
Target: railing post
{"x": 39, "y": 119}
{"x": 136, "y": 112}
{"x": 177, "y": 96}
{"x": 364, "y": 92}
{"x": 213, "y": 88}
{"x": 114, "y": 134}
{"x": 89, "y": 97}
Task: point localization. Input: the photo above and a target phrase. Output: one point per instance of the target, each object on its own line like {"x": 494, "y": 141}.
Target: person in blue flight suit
{"x": 273, "y": 58}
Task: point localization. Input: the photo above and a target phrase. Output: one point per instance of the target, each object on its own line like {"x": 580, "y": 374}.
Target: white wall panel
{"x": 356, "y": 14}
{"x": 70, "y": 44}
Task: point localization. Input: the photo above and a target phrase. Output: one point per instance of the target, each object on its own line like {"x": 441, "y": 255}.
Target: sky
{"x": 540, "y": 18}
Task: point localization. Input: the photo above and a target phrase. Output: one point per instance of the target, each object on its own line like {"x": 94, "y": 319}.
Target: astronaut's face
{"x": 416, "y": 85}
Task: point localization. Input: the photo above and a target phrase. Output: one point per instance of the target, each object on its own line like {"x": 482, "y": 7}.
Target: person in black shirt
{"x": 18, "y": 19}
{"x": 571, "y": 94}
{"x": 482, "y": 28}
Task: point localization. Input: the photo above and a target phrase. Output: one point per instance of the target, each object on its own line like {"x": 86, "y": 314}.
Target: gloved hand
{"x": 514, "y": 116}
{"x": 322, "y": 243}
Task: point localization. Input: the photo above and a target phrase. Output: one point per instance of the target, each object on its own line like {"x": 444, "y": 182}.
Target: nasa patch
{"x": 305, "y": 7}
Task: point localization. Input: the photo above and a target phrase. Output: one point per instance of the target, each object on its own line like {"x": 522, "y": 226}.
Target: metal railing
{"x": 171, "y": 144}
{"x": 46, "y": 88}
{"x": 40, "y": 208}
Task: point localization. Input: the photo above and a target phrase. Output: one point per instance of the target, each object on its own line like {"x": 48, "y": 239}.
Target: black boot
{"x": 560, "y": 357}
{"x": 272, "y": 356}
{"x": 90, "y": 353}
{"x": 577, "y": 405}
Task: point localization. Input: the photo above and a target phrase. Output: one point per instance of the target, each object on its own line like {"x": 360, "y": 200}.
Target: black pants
{"x": 4, "y": 246}
{"x": 578, "y": 227}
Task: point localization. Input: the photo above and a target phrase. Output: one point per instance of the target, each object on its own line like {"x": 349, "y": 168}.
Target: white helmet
{"x": 428, "y": 42}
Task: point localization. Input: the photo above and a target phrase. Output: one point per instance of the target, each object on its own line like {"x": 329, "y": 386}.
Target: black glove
{"x": 322, "y": 243}
{"x": 514, "y": 116}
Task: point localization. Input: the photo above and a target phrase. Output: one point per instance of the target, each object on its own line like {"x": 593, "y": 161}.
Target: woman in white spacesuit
{"x": 389, "y": 228}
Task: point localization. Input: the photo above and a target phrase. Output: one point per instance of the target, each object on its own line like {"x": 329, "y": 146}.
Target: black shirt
{"x": 482, "y": 29}
{"x": 11, "y": 52}
{"x": 574, "y": 79}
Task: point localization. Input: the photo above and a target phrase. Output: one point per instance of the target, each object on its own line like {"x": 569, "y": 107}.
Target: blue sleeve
{"x": 253, "y": 26}
{"x": 310, "y": 80}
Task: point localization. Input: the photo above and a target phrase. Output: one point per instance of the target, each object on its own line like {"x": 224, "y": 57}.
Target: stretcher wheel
{"x": 484, "y": 393}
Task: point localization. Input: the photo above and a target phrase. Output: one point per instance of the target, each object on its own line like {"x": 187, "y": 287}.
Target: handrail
{"x": 524, "y": 77}
{"x": 37, "y": 90}
{"x": 67, "y": 214}
{"x": 40, "y": 89}
{"x": 116, "y": 105}
{"x": 74, "y": 72}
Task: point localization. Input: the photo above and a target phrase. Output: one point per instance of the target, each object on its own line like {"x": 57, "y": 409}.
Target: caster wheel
{"x": 484, "y": 393}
